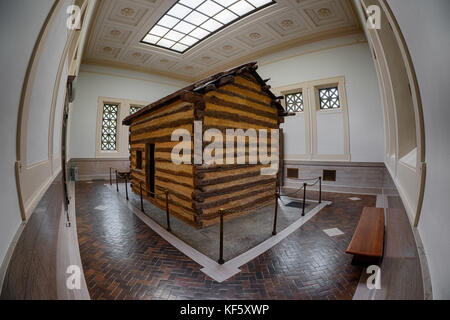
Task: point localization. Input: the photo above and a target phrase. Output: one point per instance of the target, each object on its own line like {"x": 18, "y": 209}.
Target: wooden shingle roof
{"x": 190, "y": 93}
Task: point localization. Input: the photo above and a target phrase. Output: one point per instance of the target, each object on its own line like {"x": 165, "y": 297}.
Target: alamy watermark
{"x": 73, "y": 22}
{"x": 374, "y": 17}
{"x": 73, "y": 281}
{"x": 213, "y": 153}
{"x": 374, "y": 280}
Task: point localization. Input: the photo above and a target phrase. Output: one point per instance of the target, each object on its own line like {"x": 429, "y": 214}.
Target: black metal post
{"x": 221, "y": 213}
{"x": 142, "y": 200}
{"x": 117, "y": 181}
{"x": 167, "y": 212}
{"x": 320, "y": 189}
{"x": 126, "y": 187}
{"x": 304, "y": 198}
{"x": 110, "y": 176}
{"x": 274, "y": 232}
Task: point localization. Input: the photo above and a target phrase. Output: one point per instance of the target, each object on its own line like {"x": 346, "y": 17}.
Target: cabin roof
{"x": 204, "y": 85}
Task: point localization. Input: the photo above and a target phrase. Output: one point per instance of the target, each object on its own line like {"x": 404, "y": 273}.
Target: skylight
{"x": 190, "y": 21}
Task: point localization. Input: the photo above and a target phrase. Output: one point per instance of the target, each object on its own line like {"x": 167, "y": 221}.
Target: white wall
{"x": 42, "y": 93}
{"x": 426, "y": 28}
{"x": 327, "y": 59}
{"x": 94, "y": 82}
{"x": 17, "y": 45}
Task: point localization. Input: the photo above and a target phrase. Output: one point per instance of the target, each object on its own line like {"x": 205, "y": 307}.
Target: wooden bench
{"x": 368, "y": 239}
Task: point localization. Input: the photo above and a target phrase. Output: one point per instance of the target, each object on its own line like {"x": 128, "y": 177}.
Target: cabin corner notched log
{"x": 236, "y": 99}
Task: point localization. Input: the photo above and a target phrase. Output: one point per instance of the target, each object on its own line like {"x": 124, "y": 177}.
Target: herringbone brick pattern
{"x": 124, "y": 259}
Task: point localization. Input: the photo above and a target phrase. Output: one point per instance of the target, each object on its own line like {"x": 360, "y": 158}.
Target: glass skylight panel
{"x": 259, "y": 3}
{"x": 242, "y": 7}
{"x": 196, "y": 18}
{"x": 184, "y": 27}
{"x": 189, "y": 41}
{"x": 199, "y": 33}
{"x": 212, "y": 25}
{"x": 191, "y": 3}
{"x": 226, "y": 3}
{"x": 188, "y": 22}
{"x": 226, "y": 16}
{"x": 179, "y": 11}
{"x": 151, "y": 39}
{"x": 210, "y": 8}
{"x": 180, "y": 47}
{"x": 166, "y": 43}
{"x": 159, "y": 31}
{"x": 174, "y": 35}
{"x": 168, "y": 21}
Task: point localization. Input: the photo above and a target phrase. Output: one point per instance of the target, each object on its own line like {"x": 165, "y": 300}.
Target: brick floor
{"x": 124, "y": 259}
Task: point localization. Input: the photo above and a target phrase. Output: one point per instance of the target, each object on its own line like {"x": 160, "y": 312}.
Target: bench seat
{"x": 368, "y": 240}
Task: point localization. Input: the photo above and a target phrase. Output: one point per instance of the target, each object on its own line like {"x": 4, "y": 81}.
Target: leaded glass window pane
{"x": 329, "y": 98}
{"x": 294, "y": 102}
{"x": 133, "y": 110}
{"x": 109, "y": 127}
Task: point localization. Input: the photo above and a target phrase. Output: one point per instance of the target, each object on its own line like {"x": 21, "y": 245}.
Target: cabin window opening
{"x": 139, "y": 160}
{"x": 109, "y": 127}
{"x": 294, "y": 102}
{"x": 329, "y": 98}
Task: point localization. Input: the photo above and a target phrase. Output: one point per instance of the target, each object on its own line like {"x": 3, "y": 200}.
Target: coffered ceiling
{"x": 119, "y": 25}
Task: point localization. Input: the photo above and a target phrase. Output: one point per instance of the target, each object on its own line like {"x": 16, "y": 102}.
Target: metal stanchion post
{"x": 167, "y": 211}
{"x": 274, "y": 232}
{"x": 221, "y": 213}
{"x": 304, "y": 198}
{"x": 126, "y": 188}
{"x": 117, "y": 181}
{"x": 142, "y": 201}
{"x": 320, "y": 189}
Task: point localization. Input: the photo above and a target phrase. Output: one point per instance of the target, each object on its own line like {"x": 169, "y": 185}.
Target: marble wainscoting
{"x": 351, "y": 177}
{"x": 98, "y": 169}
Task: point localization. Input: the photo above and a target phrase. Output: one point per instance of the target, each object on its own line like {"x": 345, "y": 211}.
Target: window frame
{"x": 327, "y": 87}
{"x": 311, "y": 111}
{"x": 292, "y": 92}
{"x": 116, "y": 129}
{"x": 122, "y": 139}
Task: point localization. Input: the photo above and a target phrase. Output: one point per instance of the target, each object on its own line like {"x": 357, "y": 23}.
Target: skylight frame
{"x": 210, "y": 33}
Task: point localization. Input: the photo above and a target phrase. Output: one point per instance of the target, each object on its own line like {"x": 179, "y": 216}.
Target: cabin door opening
{"x": 150, "y": 168}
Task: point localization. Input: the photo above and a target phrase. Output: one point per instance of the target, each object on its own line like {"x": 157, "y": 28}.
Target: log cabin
{"x": 236, "y": 99}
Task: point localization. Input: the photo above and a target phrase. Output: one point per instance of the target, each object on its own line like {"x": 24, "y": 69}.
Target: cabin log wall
{"x": 157, "y": 128}
{"x": 198, "y": 192}
{"x": 240, "y": 104}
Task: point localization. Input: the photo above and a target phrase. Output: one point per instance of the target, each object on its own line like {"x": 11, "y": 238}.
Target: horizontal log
{"x": 244, "y": 111}
{"x": 242, "y": 209}
{"x": 219, "y": 203}
{"x": 257, "y": 94}
{"x": 201, "y": 195}
{"x": 204, "y": 182}
{"x": 182, "y": 169}
{"x": 223, "y": 101}
{"x": 175, "y": 180}
{"x": 165, "y": 113}
{"x": 175, "y": 173}
{"x": 244, "y": 97}
{"x": 172, "y": 124}
{"x": 223, "y": 115}
{"x": 163, "y": 135}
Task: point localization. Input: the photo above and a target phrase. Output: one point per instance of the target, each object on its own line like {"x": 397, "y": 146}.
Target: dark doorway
{"x": 150, "y": 168}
